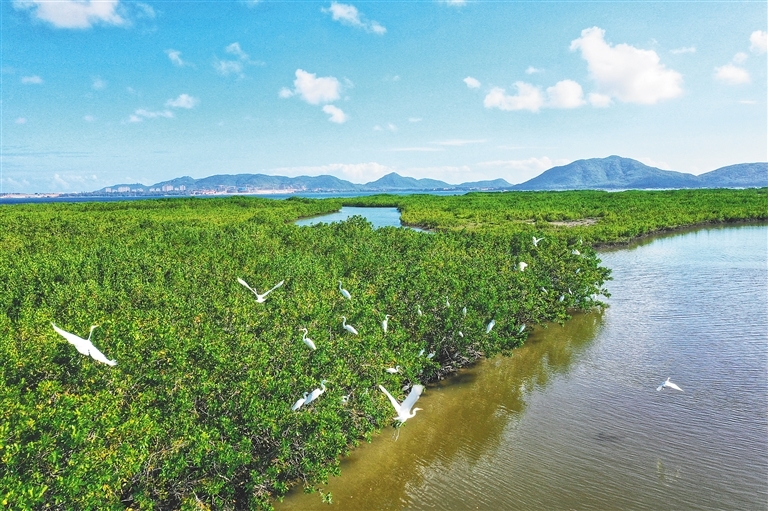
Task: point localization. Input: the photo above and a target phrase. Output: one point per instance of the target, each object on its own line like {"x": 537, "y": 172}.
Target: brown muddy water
{"x": 573, "y": 420}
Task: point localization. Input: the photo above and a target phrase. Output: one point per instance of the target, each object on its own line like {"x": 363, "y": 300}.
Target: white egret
{"x": 575, "y": 252}
{"x": 385, "y": 323}
{"x": 421, "y": 353}
{"x": 418, "y": 309}
{"x": 447, "y": 303}
{"x": 432, "y": 354}
{"x": 461, "y": 334}
{"x": 669, "y": 384}
{"x": 536, "y": 241}
{"x": 348, "y": 328}
{"x": 316, "y": 393}
{"x": 300, "y": 402}
{"x": 464, "y": 311}
{"x": 393, "y": 370}
{"x": 490, "y": 326}
{"x": 562, "y": 297}
{"x": 309, "y": 342}
{"x": 345, "y": 399}
{"x": 521, "y": 329}
{"x": 545, "y": 290}
{"x": 344, "y": 292}
{"x": 260, "y": 298}
{"x": 404, "y": 409}
{"x": 84, "y": 346}
{"x": 523, "y": 265}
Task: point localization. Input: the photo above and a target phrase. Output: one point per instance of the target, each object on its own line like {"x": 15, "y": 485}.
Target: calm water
{"x": 573, "y": 420}
{"x": 379, "y": 217}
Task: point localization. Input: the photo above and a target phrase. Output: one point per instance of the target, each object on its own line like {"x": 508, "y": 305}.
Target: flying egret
{"x": 523, "y": 265}
{"x": 385, "y": 323}
{"x": 404, "y": 409}
{"x": 309, "y": 342}
{"x": 348, "y": 328}
{"x": 670, "y": 385}
{"x": 84, "y": 346}
{"x": 316, "y": 393}
{"x": 536, "y": 241}
{"x": 260, "y": 298}
{"x": 344, "y": 292}
{"x": 393, "y": 370}
{"x": 300, "y": 402}
{"x": 490, "y": 326}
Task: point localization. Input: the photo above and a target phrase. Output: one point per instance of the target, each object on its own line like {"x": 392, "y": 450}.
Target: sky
{"x": 98, "y": 93}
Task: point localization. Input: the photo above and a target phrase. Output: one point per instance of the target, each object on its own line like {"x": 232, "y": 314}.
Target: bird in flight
{"x": 668, "y": 384}
{"x": 84, "y": 346}
{"x": 404, "y": 409}
{"x": 536, "y": 241}
{"x": 260, "y": 298}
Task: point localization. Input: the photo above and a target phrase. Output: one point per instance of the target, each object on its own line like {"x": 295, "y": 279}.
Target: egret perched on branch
{"x": 447, "y": 303}
{"x": 668, "y": 384}
{"x": 490, "y": 326}
{"x": 522, "y": 265}
{"x": 348, "y": 328}
{"x": 575, "y": 252}
{"x": 316, "y": 393}
{"x": 536, "y": 241}
{"x": 300, "y": 402}
{"x": 464, "y": 311}
{"x": 393, "y": 370}
{"x": 307, "y": 340}
{"x": 344, "y": 292}
{"x": 385, "y": 323}
{"x": 404, "y": 409}
{"x": 418, "y": 310}
{"x": 84, "y": 346}
{"x": 260, "y": 298}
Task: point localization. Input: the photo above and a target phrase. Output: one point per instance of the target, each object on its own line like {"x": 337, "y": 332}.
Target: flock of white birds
{"x": 404, "y": 410}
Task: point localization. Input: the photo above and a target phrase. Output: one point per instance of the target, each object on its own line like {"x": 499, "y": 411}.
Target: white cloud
{"x": 519, "y": 171}
{"x": 228, "y": 67}
{"x": 528, "y": 97}
{"x": 389, "y": 127}
{"x": 34, "y": 79}
{"x": 355, "y": 172}
{"x": 21, "y": 120}
{"x": 460, "y": 142}
{"x": 415, "y": 119}
{"x": 624, "y": 72}
{"x": 146, "y": 10}
{"x": 315, "y": 90}
{"x": 183, "y": 101}
{"x": 175, "y": 57}
{"x": 685, "y": 49}
{"x": 234, "y": 49}
{"x": 99, "y": 84}
{"x": 733, "y": 75}
{"x": 472, "y": 83}
{"x": 285, "y": 92}
{"x": 89, "y": 118}
{"x": 565, "y": 94}
{"x": 349, "y": 15}
{"x": 759, "y": 40}
{"x": 532, "y": 70}
{"x": 416, "y": 149}
{"x": 73, "y": 13}
{"x": 599, "y": 100}
{"x": 141, "y": 114}
{"x": 454, "y": 3}
{"x": 740, "y": 57}
{"x": 748, "y": 102}
{"x": 337, "y": 115}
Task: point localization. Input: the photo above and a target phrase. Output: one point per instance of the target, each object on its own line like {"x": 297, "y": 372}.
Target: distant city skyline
{"x": 96, "y": 93}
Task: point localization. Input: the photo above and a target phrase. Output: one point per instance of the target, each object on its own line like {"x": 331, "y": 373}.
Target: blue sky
{"x": 101, "y": 93}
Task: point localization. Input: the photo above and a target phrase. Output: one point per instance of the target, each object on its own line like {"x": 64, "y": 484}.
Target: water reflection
{"x": 464, "y": 419}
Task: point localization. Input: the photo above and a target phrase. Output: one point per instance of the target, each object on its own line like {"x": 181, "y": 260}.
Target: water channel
{"x": 378, "y": 217}
{"x": 573, "y": 419}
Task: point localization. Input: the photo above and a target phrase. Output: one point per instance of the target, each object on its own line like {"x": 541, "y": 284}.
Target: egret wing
{"x": 412, "y": 398}
{"x": 276, "y": 286}
{"x": 391, "y": 399}
{"x": 81, "y": 344}
{"x": 673, "y": 386}
{"x": 660, "y": 387}
{"x": 247, "y": 286}
{"x": 99, "y": 356}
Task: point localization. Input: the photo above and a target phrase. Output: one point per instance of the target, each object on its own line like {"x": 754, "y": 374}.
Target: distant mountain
{"x": 611, "y": 173}
{"x": 742, "y": 175}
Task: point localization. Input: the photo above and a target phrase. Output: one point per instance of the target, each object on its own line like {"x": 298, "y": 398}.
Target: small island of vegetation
{"x": 196, "y": 413}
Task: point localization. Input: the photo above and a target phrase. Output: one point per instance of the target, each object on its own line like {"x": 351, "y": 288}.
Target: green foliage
{"x": 196, "y": 414}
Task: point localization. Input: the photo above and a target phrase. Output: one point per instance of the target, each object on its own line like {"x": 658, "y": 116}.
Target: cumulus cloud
{"x": 314, "y": 90}
{"x": 686, "y": 49}
{"x": 740, "y": 57}
{"x": 183, "y": 101}
{"x": 732, "y": 75}
{"x": 76, "y": 14}
{"x": 234, "y": 49}
{"x": 532, "y": 70}
{"x": 624, "y": 72}
{"x": 175, "y": 57}
{"x": 599, "y": 100}
{"x": 472, "y": 83}
{"x": 34, "y": 80}
{"x": 759, "y": 42}
{"x": 528, "y": 97}
{"x": 349, "y": 15}
{"x": 229, "y": 67}
{"x": 336, "y": 114}
{"x": 99, "y": 84}
{"x": 565, "y": 94}
{"x": 141, "y": 114}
